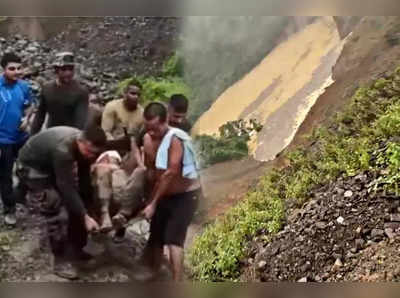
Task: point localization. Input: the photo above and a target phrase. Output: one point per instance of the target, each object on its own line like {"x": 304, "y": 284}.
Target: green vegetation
{"x": 161, "y": 88}
{"x": 364, "y": 137}
{"x": 173, "y": 66}
{"x": 230, "y": 144}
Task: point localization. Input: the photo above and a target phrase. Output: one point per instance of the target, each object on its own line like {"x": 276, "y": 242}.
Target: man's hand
{"x": 91, "y": 225}
{"x": 149, "y": 211}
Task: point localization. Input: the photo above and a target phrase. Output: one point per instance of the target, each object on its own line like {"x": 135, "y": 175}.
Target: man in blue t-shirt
{"x": 15, "y": 97}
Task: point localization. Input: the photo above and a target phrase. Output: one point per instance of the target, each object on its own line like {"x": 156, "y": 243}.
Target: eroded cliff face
{"x": 219, "y": 50}
{"x": 372, "y": 50}
{"x": 346, "y": 24}
{"x": 306, "y": 78}
{"x": 280, "y": 90}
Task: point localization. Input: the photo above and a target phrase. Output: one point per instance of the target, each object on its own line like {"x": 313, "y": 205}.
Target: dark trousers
{"x": 66, "y": 232}
{"x": 8, "y": 154}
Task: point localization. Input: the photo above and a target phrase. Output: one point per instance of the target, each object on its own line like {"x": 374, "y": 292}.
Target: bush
{"x": 212, "y": 149}
{"x": 389, "y": 124}
{"x": 173, "y": 66}
{"x": 158, "y": 89}
{"x": 161, "y": 89}
{"x": 231, "y": 144}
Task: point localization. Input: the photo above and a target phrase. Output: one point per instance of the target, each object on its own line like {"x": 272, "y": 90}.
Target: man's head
{"x": 11, "y": 64}
{"x": 132, "y": 94}
{"x": 64, "y": 67}
{"x": 92, "y": 142}
{"x": 155, "y": 117}
{"x": 177, "y": 110}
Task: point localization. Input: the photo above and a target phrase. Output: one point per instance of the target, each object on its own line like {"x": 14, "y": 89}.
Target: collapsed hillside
{"x": 370, "y": 52}
{"x": 362, "y": 140}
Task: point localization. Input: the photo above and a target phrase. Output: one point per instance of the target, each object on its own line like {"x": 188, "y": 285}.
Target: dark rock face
{"x": 122, "y": 45}
{"x": 107, "y": 49}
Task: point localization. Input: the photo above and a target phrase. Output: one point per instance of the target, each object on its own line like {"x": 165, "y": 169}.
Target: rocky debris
{"x": 107, "y": 50}
{"x": 340, "y": 220}
{"x": 338, "y": 264}
{"x": 323, "y": 240}
{"x": 389, "y": 233}
{"x": 262, "y": 264}
{"x": 39, "y": 70}
{"x": 348, "y": 194}
{"x": 378, "y": 262}
{"x": 122, "y": 45}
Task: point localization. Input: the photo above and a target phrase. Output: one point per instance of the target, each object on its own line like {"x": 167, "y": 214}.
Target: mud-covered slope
{"x": 346, "y": 232}
{"x": 281, "y": 89}
{"x": 372, "y": 50}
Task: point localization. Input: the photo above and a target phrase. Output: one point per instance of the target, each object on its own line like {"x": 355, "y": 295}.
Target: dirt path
{"x": 224, "y": 185}
{"x": 25, "y": 253}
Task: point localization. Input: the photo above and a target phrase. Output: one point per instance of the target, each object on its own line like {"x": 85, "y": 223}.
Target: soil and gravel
{"x": 330, "y": 237}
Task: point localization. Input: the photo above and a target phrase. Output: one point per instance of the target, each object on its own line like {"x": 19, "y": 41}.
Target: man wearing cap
{"x": 64, "y": 100}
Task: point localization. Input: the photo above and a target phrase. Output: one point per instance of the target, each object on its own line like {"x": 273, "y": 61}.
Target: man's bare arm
{"x": 175, "y": 156}
{"x": 81, "y": 111}
{"x": 134, "y": 159}
{"x": 107, "y": 121}
{"x": 39, "y": 116}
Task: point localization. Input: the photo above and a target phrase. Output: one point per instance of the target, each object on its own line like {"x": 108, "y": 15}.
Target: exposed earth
{"x": 330, "y": 238}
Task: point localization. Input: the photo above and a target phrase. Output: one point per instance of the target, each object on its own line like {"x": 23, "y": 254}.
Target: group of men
{"x": 94, "y": 175}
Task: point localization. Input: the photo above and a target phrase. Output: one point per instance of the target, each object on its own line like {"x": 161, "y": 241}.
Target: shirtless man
{"x": 173, "y": 192}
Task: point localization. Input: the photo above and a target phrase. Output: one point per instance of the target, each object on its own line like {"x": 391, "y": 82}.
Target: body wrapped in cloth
{"x": 120, "y": 194}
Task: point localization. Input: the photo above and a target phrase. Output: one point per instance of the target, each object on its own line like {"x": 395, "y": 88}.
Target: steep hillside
{"x": 371, "y": 51}
{"x": 283, "y": 86}
{"x": 219, "y": 50}
{"x": 346, "y": 176}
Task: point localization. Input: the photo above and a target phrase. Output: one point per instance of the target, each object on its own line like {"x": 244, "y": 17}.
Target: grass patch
{"x": 158, "y": 88}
